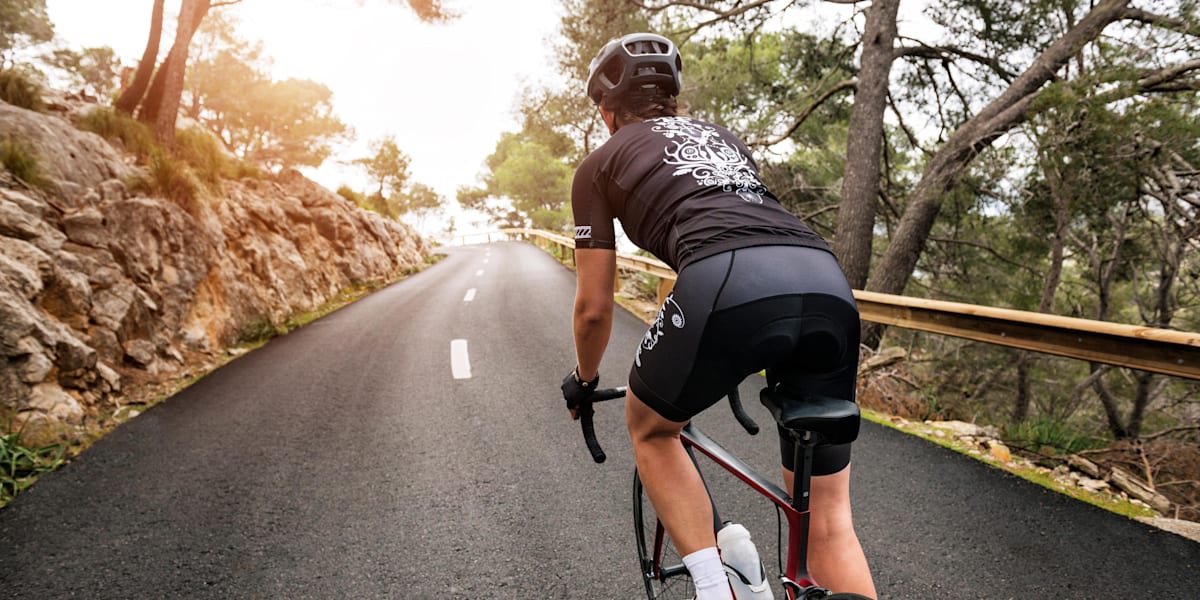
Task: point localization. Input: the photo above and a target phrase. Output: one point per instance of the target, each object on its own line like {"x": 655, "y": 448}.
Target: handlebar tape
{"x": 585, "y": 413}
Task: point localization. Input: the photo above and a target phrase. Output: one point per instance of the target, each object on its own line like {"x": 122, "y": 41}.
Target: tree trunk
{"x": 161, "y": 106}
{"x": 860, "y": 188}
{"x": 1002, "y": 114}
{"x": 141, "y": 78}
{"x": 1062, "y": 215}
{"x": 1009, "y": 109}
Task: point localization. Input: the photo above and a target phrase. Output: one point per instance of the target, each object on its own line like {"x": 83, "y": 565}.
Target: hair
{"x": 641, "y": 104}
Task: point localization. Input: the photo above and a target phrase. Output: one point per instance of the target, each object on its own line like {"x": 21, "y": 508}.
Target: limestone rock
{"x": 100, "y": 287}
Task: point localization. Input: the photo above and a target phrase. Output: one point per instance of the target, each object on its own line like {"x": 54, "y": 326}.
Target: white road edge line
{"x": 470, "y": 295}
{"x": 460, "y": 362}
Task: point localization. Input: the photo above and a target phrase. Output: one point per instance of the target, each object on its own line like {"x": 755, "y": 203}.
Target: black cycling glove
{"x": 576, "y": 390}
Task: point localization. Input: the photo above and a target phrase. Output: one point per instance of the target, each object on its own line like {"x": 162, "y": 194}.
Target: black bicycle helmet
{"x": 633, "y": 61}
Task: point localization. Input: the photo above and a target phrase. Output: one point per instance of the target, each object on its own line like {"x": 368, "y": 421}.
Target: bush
{"x": 203, "y": 152}
{"x": 18, "y": 89}
{"x": 20, "y": 160}
{"x": 115, "y": 126}
{"x": 20, "y": 466}
{"x": 1042, "y": 432}
{"x": 258, "y": 330}
{"x": 169, "y": 178}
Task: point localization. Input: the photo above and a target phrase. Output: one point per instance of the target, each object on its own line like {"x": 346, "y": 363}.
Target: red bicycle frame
{"x": 796, "y": 579}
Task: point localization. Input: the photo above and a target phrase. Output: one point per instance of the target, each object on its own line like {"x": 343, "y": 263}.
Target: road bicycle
{"x": 809, "y": 421}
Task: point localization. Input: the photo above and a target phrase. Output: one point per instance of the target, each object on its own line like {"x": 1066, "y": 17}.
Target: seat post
{"x": 805, "y": 442}
{"x": 802, "y": 481}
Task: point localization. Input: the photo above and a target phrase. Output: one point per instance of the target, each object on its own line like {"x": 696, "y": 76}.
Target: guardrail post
{"x": 664, "y": 289}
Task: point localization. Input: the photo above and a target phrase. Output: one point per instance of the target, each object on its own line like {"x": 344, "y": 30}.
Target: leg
{"x": 835, "y": 556}
{"x": 669, "y": 477}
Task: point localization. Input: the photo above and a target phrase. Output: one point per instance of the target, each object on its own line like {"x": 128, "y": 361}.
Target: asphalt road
{"x": 345, "y": 460}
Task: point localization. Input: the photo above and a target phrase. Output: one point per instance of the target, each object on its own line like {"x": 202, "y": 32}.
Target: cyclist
{"x": 688, "y": 192}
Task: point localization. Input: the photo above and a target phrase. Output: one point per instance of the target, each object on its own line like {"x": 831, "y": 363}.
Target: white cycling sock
{"x": 708, "y": 574}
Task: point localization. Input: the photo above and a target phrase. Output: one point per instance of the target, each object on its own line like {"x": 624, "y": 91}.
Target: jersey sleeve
{"x": 593, "y": 215}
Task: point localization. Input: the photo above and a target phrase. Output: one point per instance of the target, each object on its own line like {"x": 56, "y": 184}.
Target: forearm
{"x": 592, "y": 329}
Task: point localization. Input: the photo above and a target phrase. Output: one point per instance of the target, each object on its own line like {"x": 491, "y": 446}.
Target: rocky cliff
{"x": 100, "y": 287}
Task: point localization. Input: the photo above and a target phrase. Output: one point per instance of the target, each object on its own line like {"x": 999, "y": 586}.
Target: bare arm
{"x": 595, "y": 271}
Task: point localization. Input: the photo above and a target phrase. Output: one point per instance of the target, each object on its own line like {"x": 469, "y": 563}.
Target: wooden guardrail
{"x": 1165, "y": 351}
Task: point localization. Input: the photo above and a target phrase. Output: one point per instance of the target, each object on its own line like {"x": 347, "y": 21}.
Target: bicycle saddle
{"x": 833, "y": 420}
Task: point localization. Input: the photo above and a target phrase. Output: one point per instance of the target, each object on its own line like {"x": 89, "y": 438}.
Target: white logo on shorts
{"x": 655, "y": 332}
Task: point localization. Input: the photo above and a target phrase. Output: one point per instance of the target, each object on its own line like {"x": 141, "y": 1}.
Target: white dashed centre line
{"x": 470, "y": 295}
{"x": 479, "y": 272}
{"x": 460, "y": 362}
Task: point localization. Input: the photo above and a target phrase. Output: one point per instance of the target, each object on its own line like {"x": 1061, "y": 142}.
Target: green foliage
{"x": 418, "y": 199}
{"x": 203, "y": 152}
{"x": 18, "y": 88}
{"x": 529, "y": 176}
{"x": 20, "y": 466}
{"x": 353, "y": 196}
{"x": 23, "y": 23}
{"x": 117, "y": 127}
{"x": 756, "y": 84}
{"x": 258, "y": 331}
{"x": 387, "y": 166}
{"x": 1055, "y": 433}
{"x": 21, "y": 160}
{"x": 170, "y": 178}
{"x": 273, "y": 123}
{"x": 96, "y": 68}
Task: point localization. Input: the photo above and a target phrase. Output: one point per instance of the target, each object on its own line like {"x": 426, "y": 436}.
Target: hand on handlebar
{"x": 576, "y": 391}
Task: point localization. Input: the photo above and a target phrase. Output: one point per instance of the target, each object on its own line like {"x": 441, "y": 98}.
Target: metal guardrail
{"x": 1164, "y": 351}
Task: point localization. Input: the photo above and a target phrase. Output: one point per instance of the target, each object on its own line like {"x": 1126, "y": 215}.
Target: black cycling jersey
{"x": 683, "y": 190}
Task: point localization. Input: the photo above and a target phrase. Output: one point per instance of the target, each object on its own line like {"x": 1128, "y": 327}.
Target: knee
{"x": 647, "y": 426}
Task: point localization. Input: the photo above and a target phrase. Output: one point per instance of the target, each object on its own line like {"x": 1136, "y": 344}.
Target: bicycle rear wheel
{"x": 662, "y": 568}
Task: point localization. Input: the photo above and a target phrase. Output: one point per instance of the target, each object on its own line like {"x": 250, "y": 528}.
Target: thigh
{"x": 666, "y": 356}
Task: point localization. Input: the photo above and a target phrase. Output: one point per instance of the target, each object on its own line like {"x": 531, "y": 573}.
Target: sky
{"x": 446, "y": 92}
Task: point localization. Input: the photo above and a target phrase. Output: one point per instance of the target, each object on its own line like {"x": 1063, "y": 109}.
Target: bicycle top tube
{"x": 709, "y": 447}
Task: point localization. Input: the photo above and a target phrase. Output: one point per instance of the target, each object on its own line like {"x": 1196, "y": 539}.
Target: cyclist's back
{"x": 756, "y": 289}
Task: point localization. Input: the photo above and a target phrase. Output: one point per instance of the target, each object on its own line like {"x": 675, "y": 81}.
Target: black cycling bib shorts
{"x": 786, "y": 309}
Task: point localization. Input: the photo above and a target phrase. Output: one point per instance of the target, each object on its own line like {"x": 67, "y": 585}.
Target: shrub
{"x": 258, "y": 330}
{"x": 1041, "y": 432}
{"x": 115, "y": 126}
{"x": 20, "y": 160}
{"x": 18, "y": 89}
{"x": 169, "y": 178}
{"x": 20, "y": 466}
{"x": 203, "y": 152}
{"x": 349, "y": 194}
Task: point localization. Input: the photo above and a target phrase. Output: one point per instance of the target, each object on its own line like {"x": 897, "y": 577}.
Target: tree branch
{"x": 1166, "y": 79}
{"x": 1163, "y": 21}
{"x": 941, "y": 52}
{"x": 1146, "y": 438}
{"x": 721, "y": 14}
{"x": 841, "y": 85}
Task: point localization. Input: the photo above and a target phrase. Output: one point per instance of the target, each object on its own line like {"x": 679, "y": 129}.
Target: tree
{"x": 419, "y": 199}
{"x": 159, "y": 106}
{"x": 1005, "y": 111}
{"x": 860, "y": 187}
{"x": 94, "y": 68}
{"x": 387, "y": 166}
{"x": 528, "y": 175}
{"x": 22, "y": 23}
{"x": 131, "y": 96}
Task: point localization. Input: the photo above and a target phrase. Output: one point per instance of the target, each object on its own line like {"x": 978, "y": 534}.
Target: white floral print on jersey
{"x": 699, "y": 151}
